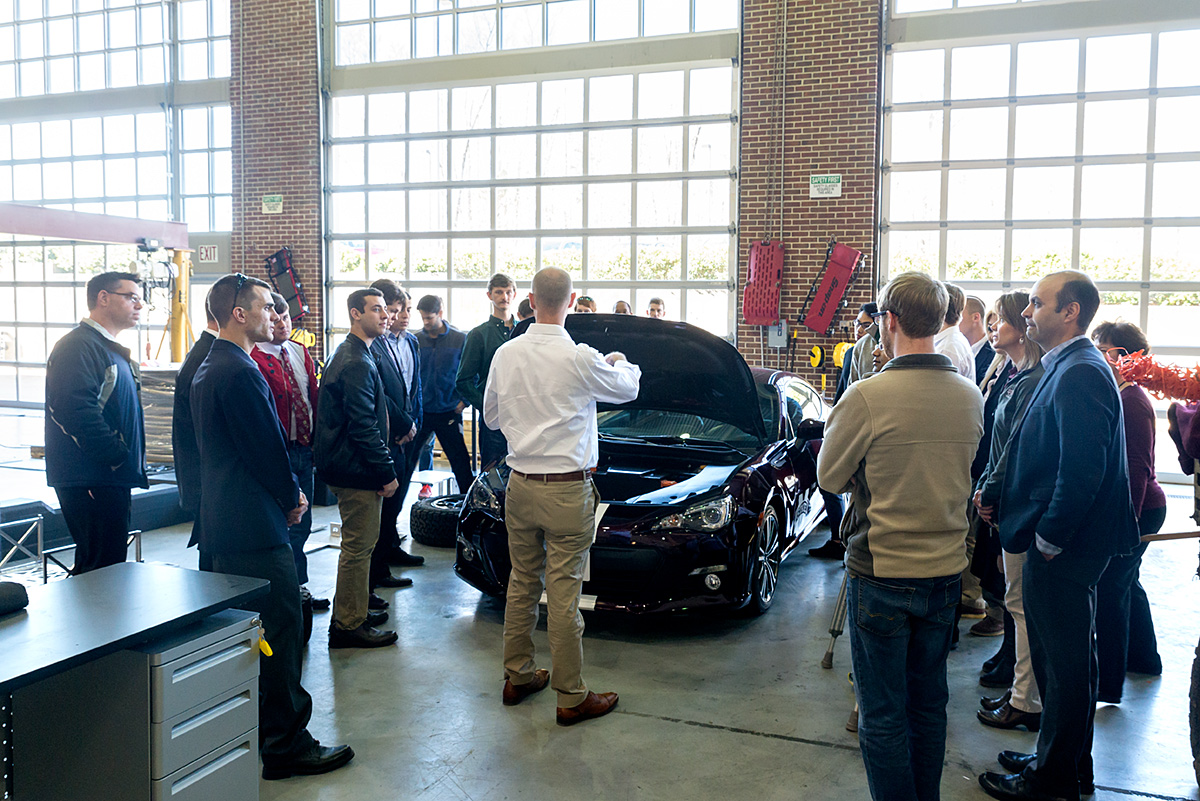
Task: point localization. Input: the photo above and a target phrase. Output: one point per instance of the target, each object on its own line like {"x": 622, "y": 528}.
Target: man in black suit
{"x": 397, "y": 356}
{"x": 185, "y": 452}
{"x": 1066, "y": 502}
{"x": 248, "y": 498}
{"x": 973, "y": 326}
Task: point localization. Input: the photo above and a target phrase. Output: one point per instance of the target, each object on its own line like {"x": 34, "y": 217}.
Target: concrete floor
{"x": 711, "y": 708}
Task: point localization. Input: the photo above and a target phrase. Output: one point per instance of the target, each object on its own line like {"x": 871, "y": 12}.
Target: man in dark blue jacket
{"x": 1065, "y": 501}
{"x": 396, "y": 356}
{"x": 248, "y": 498}
{"x": 441, "y": 352}
{"x": 350, "y": 452}
{"x": 95, "y": 438}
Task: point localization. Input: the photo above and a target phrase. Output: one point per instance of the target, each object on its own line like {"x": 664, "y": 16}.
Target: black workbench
{"x": 86, "y": 617}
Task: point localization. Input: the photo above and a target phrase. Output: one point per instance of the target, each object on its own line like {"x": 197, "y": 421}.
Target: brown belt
{"x": 578, "y": 475}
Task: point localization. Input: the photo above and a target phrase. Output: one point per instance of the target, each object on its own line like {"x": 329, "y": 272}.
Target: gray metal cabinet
{"x": 175, "y": 719}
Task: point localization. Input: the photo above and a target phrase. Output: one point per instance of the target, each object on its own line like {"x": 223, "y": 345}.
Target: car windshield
{"x": 678, "y": 427}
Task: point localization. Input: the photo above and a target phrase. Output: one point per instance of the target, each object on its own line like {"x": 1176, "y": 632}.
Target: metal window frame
{"x": 452, "y": 14}
{"x": 1013, "y": 24}
{"x": 361, "y": 81}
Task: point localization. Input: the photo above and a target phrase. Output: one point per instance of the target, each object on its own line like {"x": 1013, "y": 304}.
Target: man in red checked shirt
{"x": 292, "y": 378}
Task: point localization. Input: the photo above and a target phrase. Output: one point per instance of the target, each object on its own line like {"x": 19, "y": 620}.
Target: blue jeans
{"x": 425, "y": 461}
{"x": 492, "y": 445}
{"x": 899, "y": 641}
{"x": 301, "y": 459}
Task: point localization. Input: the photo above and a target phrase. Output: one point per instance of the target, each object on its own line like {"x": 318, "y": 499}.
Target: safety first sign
{"x": 825, "y": 185}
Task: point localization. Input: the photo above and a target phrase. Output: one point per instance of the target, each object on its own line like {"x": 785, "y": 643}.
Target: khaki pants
{"x": 550, "y": 529}
{"x": 972, "y": 593}
{"x": 360, "y": 510}
{"x": 1024, "y": 688}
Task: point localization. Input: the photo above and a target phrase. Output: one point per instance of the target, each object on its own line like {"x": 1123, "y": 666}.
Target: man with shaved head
{"x": 541, "y": 393}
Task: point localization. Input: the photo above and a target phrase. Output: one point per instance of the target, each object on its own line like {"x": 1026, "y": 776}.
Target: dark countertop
{"x": 85, "y": 617}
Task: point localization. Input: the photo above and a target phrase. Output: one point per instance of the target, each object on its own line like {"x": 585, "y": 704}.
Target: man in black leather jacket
{"x": 351, "y": 456}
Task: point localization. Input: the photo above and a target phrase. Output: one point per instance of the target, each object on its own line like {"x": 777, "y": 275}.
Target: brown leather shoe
{"x": 990, "y": 704}
{"x": 1009, "y": 717}
{"x": 594, "y": 706}
{"x": 516, "y": 693}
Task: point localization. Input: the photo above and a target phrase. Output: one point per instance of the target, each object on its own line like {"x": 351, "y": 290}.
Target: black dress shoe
{"x": 1000, "y": 677}
{"x": 376, "y": 618}
{"x": 830, "y": 550}
{"x": 375, "y": 602}
{"x": 1014, "y": 786}
{"x": 1015, "y": 761}
{"x": 994, "y": 703}
{"x": 1009, "y": 717}
{"x": 316, "y": 760}
{"x": 317, "y": 604}
{"x": 390, "y": 582}
{"x": 402, "y": 558}
{"x": 362, "y": 637}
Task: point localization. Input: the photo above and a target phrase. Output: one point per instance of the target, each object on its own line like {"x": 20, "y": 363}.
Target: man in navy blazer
{"x": 1066, "y": 502}
{"x": 397, "y": 356}
{"x": 248, "y": 498}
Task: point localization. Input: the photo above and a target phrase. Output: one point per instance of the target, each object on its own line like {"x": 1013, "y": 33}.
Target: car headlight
{"x": 481, "y": 496}
{"x": 708, "y": 516}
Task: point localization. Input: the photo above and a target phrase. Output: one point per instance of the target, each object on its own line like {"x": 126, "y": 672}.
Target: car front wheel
{"x": 764, "y": 576}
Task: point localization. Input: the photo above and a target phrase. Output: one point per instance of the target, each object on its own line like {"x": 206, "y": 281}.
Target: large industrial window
{"x": 623, "y": 177}
{"x": 393, "y": 30}
{"x": 106, "y": 106}
{"x": 1007, "y": 159}
{"x": 61, "y": 46}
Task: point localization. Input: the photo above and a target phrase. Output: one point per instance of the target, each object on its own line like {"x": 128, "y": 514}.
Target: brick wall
{"x": 275, "y": 99}
{"x": 830, "y": 127}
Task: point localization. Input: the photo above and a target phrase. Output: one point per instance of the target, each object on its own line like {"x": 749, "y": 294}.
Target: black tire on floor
{"x": 434, "y": 521}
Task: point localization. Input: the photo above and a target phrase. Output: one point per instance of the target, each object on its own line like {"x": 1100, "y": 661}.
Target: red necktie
{"x": 299, "y": 408}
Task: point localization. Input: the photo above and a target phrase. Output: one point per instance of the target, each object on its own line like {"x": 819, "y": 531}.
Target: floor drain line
{"x": 842, "y": 746}
{"x": 737, "y": 730}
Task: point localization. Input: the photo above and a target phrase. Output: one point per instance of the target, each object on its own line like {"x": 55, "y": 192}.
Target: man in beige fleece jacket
{"x": 901, "y": 442}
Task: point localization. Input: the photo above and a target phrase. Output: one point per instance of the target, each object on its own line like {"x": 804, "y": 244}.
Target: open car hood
{"x": 684, "y": 368}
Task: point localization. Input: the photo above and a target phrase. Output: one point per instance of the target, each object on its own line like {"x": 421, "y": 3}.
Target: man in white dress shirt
{"x": 541, "y": 394}
{"x": 950, "y": 342}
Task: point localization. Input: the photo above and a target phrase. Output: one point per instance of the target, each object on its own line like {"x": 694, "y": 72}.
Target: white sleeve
{"x": 491, "y": 396}
{"x": 609, "y": 383}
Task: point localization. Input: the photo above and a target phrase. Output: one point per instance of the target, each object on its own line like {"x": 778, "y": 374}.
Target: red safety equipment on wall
{"x": 760, "y": 297}
{"x": 841, "y": 267}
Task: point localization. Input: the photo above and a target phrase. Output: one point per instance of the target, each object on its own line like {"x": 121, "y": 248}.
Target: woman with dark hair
{"x": 1124, "y": 628}
{"x": 1008, "y": 384}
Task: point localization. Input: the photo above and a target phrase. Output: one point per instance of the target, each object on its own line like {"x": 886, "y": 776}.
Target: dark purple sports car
{"x": 709, "y": 478}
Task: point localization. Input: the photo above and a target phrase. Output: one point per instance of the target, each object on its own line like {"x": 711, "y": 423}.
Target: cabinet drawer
{"x": 189, "y": 681}
{"x": 230, "y": 774}
{"x": 191, "y": 734}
